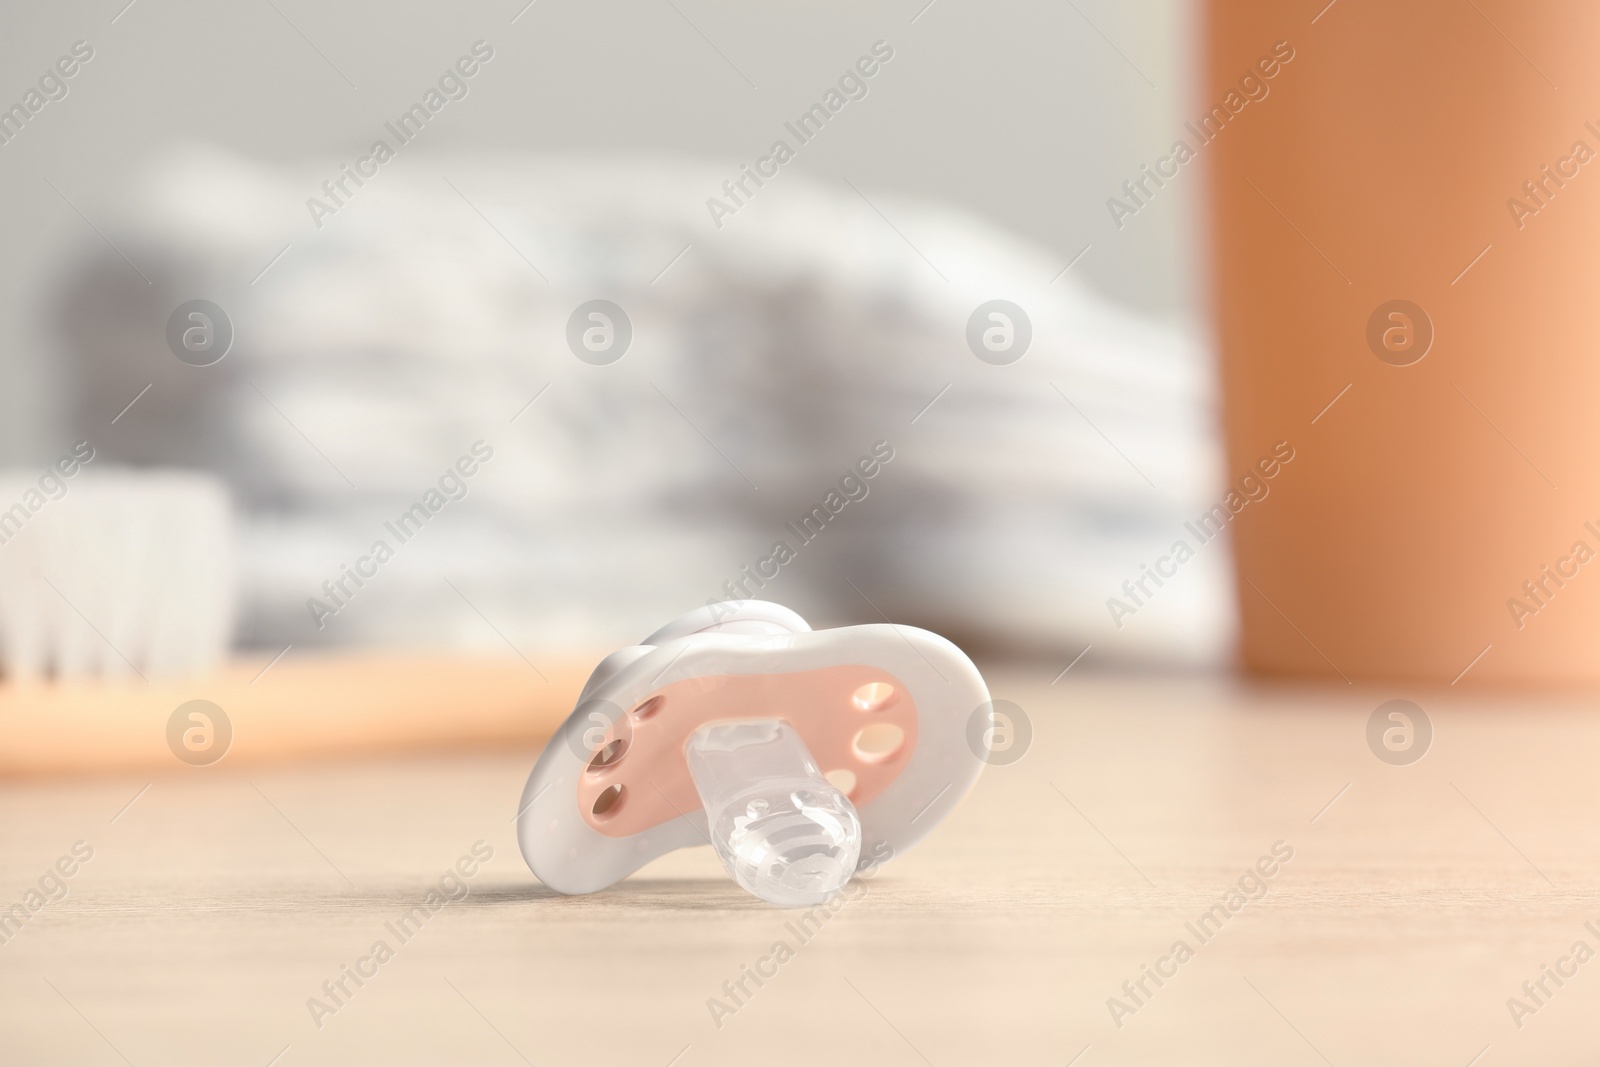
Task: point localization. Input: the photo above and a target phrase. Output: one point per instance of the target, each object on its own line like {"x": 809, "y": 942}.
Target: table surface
{"x": 1418, "y": 899}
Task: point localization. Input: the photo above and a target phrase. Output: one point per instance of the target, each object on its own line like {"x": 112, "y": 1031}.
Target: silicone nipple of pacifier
{"x": 779, "y": 828}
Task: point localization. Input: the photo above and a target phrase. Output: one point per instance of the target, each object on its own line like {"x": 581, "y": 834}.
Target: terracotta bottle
{"x": 1440, "y": 519}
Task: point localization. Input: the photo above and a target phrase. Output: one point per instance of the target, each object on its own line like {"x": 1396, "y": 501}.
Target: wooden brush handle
{"x": 311, "y": 705}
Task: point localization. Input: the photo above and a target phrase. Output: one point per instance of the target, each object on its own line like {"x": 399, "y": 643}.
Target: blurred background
{"x": 379, "y": 330}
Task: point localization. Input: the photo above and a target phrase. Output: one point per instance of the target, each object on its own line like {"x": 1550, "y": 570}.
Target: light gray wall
{"x": 1028, "y": 113}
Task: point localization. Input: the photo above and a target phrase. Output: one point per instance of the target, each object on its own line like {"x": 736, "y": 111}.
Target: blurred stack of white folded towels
{"x": 400, "y": 376}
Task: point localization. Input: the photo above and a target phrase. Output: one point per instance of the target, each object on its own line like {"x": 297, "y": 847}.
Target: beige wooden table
{"x": 1418, "y": 899}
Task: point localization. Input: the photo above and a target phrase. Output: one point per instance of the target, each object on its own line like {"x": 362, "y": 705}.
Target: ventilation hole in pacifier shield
{"x": 874, "y": 696}
{"x": 647, "y": 709}
{"x": 878, "y": 742}
{"x": 608, "y": 756}
{"x": 609, "y": 802}
{"x": 843, "y": 779}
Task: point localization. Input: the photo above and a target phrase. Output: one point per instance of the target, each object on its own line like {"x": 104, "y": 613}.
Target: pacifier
{"x": 801, "y": 756}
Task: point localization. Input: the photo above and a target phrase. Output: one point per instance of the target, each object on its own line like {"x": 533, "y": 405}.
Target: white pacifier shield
{"x": 719, "y": 645}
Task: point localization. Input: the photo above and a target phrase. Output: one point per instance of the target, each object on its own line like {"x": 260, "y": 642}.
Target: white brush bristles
{"x": 114, "y": 572}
